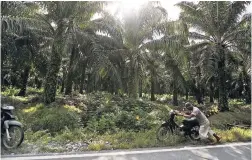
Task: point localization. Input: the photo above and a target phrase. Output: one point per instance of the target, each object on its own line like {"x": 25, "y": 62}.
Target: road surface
{"x": 233, "y": 151}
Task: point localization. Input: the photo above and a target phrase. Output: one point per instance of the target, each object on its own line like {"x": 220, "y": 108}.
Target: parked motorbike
{"x": 188, "y": 128}
{"x": 12, "y": 133}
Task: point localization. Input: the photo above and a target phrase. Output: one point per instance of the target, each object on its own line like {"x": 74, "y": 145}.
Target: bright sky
{"x": 126, "y": 7}
{"x": 120, "y": 7}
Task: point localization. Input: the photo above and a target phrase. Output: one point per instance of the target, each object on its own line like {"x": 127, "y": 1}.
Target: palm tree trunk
{"x": 223, "y": 99}
{"x": 69, "y": 80}
{"x": 247, "y": 87}
{"x": 198, "y": 96}
{"x": 175, "y": 94}
{"x": 63, "y": 80}
{"x": 211, "y": 93}
{"x": 51, "y": 76}
{"x": 89, "y": 83}
{"x": 25, "y": 77}
{"x": 54, "y": 66}
{"x": 82, "y": 81}
{"x": 140, "y": 88}
{"x": 133, "y": 83}
{"x": 186, "y": 93}
{"x": 175, "y": 97}
{"x": 152, "y": 86}
{"x": 38, "y": 83}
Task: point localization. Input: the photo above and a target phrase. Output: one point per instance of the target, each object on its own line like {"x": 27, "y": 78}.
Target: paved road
{"x": 234, "y": 151}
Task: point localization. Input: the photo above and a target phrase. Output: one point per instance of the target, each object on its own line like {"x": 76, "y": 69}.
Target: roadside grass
{"x": 101, "y": 121}
{"x": 235, "y": 135}
{"x": 120, "y": 140}
{"x": 221, "y": 119}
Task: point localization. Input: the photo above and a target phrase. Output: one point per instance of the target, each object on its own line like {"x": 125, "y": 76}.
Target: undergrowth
{"x": 103, "y": 121}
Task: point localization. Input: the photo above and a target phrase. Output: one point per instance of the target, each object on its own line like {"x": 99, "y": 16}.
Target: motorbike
{"x": 188, "y": 128}
{"x": 12, "y": 133}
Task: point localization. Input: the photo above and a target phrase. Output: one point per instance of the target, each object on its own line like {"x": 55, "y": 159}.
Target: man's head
{"x": 189, "y": 106}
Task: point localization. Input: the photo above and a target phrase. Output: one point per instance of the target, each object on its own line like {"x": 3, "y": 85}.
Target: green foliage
{"x": 51, "y": 118}
{"x": 110, "y": 113}
{"x": 33, "y": 91}
{"x": 97, "y": 146}
{"x": 235, "y": 135}
{"x": 221, "y": 119}
{"x": 233, "y": 102}
{"x": 10, "y": 91}
{"x": 101, "y": 125}
{"x": 212, "y": 110}
{"x": 39, "y": 137}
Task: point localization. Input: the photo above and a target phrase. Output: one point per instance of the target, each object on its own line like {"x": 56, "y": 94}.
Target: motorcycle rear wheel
{"x": 194, "y": 134}
{"x": 17, "y": 136}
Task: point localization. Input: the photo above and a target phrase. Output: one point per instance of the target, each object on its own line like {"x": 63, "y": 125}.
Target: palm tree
{"x": 62, "y": 15}
{"x": 137, "y": 30}
{"x": 27, "y": 38}
{"x": 218, "y": 26}
{"x": 85, "y": 43}
{"x": 174, "y": 36}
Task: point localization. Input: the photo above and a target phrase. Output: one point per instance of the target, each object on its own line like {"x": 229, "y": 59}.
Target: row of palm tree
{"x": 60, "y": 44}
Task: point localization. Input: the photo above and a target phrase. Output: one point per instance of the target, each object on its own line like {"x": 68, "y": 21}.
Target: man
{"x": 203, "y": 121}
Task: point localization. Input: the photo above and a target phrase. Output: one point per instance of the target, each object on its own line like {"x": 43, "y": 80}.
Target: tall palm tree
{"x": 174, "y": 36}
{"x": 218, "y": 26}
{"x": 26, "y": 35}
{"x": 137, "y": 30}
{"x": 85, "y": 43}
{"x": 62, "y": 15}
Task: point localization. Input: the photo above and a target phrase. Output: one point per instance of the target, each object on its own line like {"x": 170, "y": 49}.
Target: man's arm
{"x": 189, "y": 116}
{"x": 186, "y": 116}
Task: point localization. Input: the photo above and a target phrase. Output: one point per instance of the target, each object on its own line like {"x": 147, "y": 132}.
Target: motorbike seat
{"x": 7, "y": 107}
{"x": 192, "y": 121}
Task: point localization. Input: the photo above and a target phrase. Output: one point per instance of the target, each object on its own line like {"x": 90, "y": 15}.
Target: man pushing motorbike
{"x": 203, "y": 122}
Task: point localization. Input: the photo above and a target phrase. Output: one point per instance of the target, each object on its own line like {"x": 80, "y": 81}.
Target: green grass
{"x": 110, "y": 121}
{"x": 235, "y": 135}
{"x": 221, "y": 119}
{"x": 122, "y": 139}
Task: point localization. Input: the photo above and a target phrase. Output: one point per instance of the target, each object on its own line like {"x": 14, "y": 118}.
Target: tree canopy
{"x": 60, "y": 45}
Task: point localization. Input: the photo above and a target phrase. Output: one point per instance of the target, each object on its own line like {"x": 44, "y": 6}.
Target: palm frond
{"x": 197, "y": 46}
{"x": 234, "y": 12}
{"x": 198, "y": 36}
{"x": 164, "y": 42}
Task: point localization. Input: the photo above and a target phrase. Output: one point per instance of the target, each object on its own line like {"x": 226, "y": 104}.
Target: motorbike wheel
{"x": 17, "y": 136}
{"x": 163, "y": 133}
{"x": 194, "y": 134}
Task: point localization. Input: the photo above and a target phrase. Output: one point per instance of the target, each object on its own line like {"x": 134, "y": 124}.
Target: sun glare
{"x": 124, "y": 7}
{"x": 121, "y": 8}
{"x": 128, "y": 6}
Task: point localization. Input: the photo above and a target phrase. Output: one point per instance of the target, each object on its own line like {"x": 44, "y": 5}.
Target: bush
{"x": 102, "y": 125}
{"x": 53, "y": 119}
{"x": 10, "y": 91}
{"x": 40, "y": 137}
{"x": 97, "y": 146}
